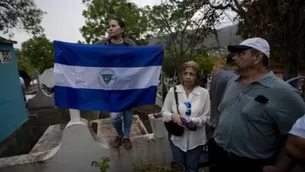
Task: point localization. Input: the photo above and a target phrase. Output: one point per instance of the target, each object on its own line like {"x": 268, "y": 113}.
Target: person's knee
{"x": 192, "y": 166}
{"x": 128, "y": 118}
{"x": 193, "y": 159}
{"x": 128, "y": 113}
{"x": 115, "y": 117}
{"x": 178, "y": 155}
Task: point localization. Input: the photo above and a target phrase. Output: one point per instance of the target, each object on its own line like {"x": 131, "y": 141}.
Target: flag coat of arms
{"x": 105, "y": 78}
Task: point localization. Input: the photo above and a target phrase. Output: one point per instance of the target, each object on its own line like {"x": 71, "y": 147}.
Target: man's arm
{"x": 290, "y": 108}
{"x": 295, "y": 146}
{"x": 294, "y": 154}
{"x": 285, "y": 164}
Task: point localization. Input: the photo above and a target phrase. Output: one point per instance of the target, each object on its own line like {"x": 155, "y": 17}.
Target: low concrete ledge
{"x": 157, "y": 126}
{"x": 27, "y": 158}
{"x": 50, "y": 139}
{"x": 79, "y": 146}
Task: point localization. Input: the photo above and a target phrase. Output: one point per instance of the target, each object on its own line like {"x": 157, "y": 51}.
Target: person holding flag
{"x": 110, "y": 78}
{"x": 117, "y": 38}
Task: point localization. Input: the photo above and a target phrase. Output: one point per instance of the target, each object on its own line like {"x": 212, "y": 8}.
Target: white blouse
{"x": 200, "y": 114}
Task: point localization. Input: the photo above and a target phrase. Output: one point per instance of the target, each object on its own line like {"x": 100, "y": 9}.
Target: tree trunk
{"x": 290, "y": 70}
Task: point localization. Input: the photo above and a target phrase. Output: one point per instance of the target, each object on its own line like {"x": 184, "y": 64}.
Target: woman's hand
{"x": 176, "y": 119}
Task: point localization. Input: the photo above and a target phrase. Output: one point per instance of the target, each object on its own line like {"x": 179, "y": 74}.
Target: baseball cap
{"x": 257, "y": 43}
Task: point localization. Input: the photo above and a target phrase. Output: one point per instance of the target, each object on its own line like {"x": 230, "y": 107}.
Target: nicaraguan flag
{"x": 105, "y": 78}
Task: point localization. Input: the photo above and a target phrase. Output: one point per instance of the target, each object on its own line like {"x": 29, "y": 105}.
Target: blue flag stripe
{"x": 103, "y": 100}
{"x": 105, "y": 56}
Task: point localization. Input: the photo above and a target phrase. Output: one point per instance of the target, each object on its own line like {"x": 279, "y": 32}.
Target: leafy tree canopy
{"x": 281, "y": 22}
{"x": 39, "y": 52}
{"x": 99, "y": 12}
{"x": 20, "y": 14}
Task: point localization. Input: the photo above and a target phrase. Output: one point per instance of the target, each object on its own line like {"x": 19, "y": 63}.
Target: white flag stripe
{"x": 106, "y": 78}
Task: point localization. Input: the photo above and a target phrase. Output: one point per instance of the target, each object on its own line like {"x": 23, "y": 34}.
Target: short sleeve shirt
{"x": 219, "y": 82}
{"x": 298, "y": 129}
{"x": 252, "y": 119}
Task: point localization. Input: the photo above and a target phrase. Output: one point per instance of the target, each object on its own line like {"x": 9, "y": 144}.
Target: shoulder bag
{"x": 172, "y": 127}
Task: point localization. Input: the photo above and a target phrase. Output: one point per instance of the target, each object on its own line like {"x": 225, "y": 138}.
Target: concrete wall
{"x": 22, "y": 140}
{"x": 79, "y": 146}
{"x": 11, "y": 146}
{"x": 12, "y": 108}
{"x": 75, "y": 147}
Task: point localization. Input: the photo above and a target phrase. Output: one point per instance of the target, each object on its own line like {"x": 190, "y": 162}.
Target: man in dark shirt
{"x": 219, "y": 82}
{"x": 204, "y": 81}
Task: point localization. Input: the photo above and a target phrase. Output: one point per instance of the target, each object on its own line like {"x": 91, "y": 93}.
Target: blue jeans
{"x": 116, "y": 119}
{"x": 189, "y": 159}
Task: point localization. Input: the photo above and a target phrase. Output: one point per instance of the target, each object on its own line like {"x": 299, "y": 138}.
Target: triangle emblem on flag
{"x": 107, "y": 77}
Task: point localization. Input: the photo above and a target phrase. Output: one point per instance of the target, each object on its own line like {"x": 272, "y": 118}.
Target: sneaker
{"x": 127, "y": 143}
{"x": 117, "y": 142}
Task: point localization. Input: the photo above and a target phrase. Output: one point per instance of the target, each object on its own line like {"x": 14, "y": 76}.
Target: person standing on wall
{"x": 256, "y": 112}
{"x": 117, "y": 39}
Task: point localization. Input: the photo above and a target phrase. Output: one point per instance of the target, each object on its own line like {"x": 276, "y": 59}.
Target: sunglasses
{"x": 188, "y": 108}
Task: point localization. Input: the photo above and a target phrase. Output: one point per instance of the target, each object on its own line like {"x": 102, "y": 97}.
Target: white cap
{"x": 257, "y": 43}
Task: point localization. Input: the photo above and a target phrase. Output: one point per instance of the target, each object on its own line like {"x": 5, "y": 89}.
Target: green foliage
{"x": 23, "y": 63}
{"x": 283, "y": 27}
{"x": 301, "y": 63}
{"x": 170, "y": 65}
{"x": 181, "y": 27}
{"x": 103, "y": 164}
{"x": 281, "y": 22}
{"x": 99, "y": 12}
{"x": 20, "y": 14}
{"x": 206, "y": 62}
{"x": 39, "y": 52}
{"x": 80, "y": 42}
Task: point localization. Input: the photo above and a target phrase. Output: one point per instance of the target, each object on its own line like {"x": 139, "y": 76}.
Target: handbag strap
{"x": 176, "y": 99}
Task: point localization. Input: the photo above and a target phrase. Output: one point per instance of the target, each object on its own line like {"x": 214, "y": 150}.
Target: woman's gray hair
{"x": 193, "y": 65}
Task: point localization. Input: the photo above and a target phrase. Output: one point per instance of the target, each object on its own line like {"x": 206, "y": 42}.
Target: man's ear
{"x": 259, "y": 57}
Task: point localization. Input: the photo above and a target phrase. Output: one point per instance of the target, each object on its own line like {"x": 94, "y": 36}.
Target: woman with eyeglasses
{"x": 191, "y": 111}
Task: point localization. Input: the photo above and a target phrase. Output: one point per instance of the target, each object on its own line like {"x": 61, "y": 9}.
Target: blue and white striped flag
{"x": 112, "y": 79}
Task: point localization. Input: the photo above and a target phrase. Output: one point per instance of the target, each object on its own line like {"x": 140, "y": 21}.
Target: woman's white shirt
{"x": 200, "y": 113}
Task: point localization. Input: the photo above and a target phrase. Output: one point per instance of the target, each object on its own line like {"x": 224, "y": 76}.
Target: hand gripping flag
{"x": 111, "y": 79}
